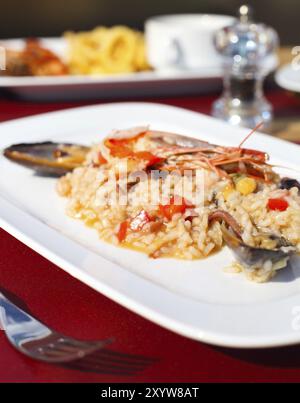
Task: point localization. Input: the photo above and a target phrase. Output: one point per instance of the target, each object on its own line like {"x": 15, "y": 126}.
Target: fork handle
{"x": 17, "y": 322}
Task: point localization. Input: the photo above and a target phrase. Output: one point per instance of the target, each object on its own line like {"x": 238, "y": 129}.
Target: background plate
{"x": 152, "y": 83}
{"x": 288, "y": 78}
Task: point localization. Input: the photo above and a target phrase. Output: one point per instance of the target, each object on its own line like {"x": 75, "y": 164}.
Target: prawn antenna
{"x": 250, "y": 134}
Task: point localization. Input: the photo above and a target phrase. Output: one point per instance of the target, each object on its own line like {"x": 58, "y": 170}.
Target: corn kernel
{"x": 227, "y": 191}
{"x": 246, "y": 186}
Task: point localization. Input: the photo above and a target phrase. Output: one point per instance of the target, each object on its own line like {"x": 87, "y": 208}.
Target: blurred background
{"x": 19, "y": 18}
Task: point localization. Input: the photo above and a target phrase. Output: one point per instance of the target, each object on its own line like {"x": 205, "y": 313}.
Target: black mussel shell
{"x": 289, "y": 183}
{"x": 47, "y": 158}
{"x": 252, "y": 256}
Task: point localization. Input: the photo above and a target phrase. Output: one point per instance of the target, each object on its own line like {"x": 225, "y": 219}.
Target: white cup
{"x": 184, "y": 41}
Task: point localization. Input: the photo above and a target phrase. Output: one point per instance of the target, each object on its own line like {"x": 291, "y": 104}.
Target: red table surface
{"x": 71, "y": 307}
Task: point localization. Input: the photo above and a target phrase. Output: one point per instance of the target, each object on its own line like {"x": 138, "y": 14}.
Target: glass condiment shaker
{"x": 248, "y": 50}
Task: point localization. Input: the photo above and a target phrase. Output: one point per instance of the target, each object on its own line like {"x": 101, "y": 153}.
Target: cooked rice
{"x": 180, "y": 237}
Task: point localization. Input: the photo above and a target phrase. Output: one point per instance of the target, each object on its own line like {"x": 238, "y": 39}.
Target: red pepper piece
{"x": 122, "y": 231}
{"x": 149, "y": 157}
{"x": 278, "y": 204}
{"x": 168, "y": 210}
{"x": 101, "y": 159}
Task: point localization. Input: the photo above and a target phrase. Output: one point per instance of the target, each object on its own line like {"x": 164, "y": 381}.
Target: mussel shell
{"x": 289, "y": 183}
{"x": 254, "y": 256}
{"x": 43, "y": 157}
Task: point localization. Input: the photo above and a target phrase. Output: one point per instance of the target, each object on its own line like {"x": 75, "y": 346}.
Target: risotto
{"x": 173, "y": 196}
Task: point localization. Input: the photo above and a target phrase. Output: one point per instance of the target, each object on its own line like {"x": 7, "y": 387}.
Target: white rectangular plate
{"x": 150, "y": 83}
{"x": 197, "y": 298}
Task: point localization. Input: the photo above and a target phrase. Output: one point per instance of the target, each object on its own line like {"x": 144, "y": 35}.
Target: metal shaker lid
{"x": 246, "y": 43}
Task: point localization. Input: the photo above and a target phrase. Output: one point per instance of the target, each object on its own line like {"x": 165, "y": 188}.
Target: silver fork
{"x": 36, "y": 340}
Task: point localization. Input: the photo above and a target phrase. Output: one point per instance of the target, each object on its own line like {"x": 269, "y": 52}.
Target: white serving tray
{"x": 197, "y": 298}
